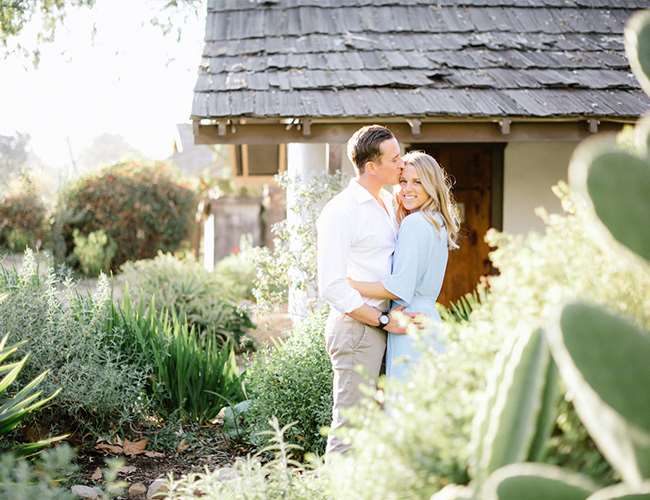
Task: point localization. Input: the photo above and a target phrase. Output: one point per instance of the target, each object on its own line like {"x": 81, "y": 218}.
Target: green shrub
{"x": 94, "y": 252}
{"x": 69, "y": 335}
{"x": 43, "y": 478}
{"x": 237, "y": 272}
{"x": 18, "y": 240}
{"x": 22, "y": 220}
{"x": 142, "y": 208}
{"x": 192, "y": 374}
{"x": 293, "y": 382}
{"x": 187, "y": 289}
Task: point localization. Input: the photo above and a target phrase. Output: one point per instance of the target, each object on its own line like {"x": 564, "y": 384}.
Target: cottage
{"x": 499, "y": 91}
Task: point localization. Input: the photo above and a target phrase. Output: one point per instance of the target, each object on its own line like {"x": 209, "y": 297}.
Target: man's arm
{"x": 334, "y": 240}
{"x": 366, "y": 314}
{"x": 370, "y": 316}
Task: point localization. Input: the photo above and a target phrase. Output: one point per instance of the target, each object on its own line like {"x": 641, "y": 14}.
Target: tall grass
{"x": 193, "y": 374}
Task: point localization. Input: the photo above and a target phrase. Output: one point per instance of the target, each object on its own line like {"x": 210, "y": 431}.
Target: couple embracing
{"x": 378, "y": 252}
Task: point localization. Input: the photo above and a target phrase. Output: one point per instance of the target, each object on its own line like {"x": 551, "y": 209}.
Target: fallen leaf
{"x": 153, "y": 454}
{"x": 127, "y": 469}
{"x": 134, "y": 447}
{"x": 182, "y": 446}
{"x": 118, "y": 440}
{"x": 110, "y": 448}
{"x": 97, "y": 475}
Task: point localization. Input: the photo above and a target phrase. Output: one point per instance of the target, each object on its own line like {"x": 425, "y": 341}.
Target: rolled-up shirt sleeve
{"x": 411, "y": 243}
{"x": 334, "y": 241}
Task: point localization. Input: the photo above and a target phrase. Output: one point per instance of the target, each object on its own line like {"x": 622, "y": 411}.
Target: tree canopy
{"x": 16, "y": 15}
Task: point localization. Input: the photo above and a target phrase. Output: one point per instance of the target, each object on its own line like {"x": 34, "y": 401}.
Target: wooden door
{"x": 477, "y": 172}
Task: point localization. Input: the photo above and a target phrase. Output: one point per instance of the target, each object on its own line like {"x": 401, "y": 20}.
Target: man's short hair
{"x": 364, "y": 144}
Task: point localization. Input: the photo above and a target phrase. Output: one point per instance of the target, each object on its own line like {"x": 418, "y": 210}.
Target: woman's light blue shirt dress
{"x": 418, "y": 270}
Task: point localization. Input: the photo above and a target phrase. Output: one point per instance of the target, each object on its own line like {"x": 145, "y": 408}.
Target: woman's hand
{"x": 394, "y": 326}
{"x": 400, "y": 320}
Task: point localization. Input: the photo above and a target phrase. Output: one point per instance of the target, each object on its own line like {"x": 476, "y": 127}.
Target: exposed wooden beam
{"x": 439, "y": 132}
{"x": 505, "y": 126}
{"x": 415, "y": 125}
{"x": 306, "y": 126}
{"x": 593, "y": 126}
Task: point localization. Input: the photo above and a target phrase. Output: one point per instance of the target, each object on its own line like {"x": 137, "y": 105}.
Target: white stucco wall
{"x": 530, "y": 169}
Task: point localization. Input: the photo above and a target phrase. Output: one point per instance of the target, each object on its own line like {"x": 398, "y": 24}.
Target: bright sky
{"x": 133, "y": 81}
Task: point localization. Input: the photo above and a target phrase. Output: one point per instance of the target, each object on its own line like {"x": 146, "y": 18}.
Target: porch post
{"x": 304, "y": 163}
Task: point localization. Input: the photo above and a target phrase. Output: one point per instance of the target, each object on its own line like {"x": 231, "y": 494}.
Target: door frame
{"x": 496, "y": 173}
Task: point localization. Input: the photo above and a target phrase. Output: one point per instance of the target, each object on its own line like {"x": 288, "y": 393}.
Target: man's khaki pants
{"x": 350, "y": 345}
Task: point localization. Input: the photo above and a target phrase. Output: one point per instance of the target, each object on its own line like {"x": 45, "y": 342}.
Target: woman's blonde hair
{"x": 437, "y": 185}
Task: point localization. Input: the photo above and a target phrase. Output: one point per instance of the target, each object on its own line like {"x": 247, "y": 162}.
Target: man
{"x": 356, "y": 239}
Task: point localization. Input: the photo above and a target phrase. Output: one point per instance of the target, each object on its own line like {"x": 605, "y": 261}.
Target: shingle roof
{"x": 383, "y": 58}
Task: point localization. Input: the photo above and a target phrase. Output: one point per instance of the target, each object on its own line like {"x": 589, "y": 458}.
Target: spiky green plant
{"x": 194, "y": 374}
{"x": 15, "y": 408}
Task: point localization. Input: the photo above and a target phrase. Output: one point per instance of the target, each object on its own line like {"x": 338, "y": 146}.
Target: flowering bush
{"x": 144, "y": 209}
{"x": 22, "y": 219}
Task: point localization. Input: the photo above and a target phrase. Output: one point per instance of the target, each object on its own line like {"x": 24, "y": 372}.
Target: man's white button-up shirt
{"x": 356, "y": 239}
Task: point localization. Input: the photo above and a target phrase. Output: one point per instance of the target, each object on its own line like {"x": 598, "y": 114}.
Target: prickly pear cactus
{"x": 616, "y": 182}
{"x": 623, "y": 492}
{"x": 617, "y": 185}
{"x": 519, "y": 410}
{"x": 637, "y": 47}
{"x": 605, "y": 362}
{"x": 536, "y": 482}
{"x": 588, "y": 343}
{"x": 603, "y": 359}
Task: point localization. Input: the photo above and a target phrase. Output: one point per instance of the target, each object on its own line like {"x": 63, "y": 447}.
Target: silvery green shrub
{"x": 190, "y": 291}
{"x": 42, "y": 478}
{"x": 66, "y": 333}
{"x": 252, "y": 479}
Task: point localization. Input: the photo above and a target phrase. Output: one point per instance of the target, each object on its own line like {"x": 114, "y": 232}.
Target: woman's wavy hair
{"x": 437, "y": 185}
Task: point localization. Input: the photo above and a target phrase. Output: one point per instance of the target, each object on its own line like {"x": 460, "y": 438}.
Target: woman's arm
{"x": 372, "y": 289}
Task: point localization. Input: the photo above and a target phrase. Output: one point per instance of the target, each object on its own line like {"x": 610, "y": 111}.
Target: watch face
{"x": 384, "y": 319}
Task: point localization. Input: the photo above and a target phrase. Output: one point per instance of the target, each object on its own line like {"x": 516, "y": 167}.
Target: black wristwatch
{"x": 383, "y": 319}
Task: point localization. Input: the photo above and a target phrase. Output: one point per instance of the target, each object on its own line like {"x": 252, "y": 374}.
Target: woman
{"x": 426, "y": 213}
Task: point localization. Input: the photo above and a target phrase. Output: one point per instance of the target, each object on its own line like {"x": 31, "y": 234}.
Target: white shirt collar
{"x": 362, "y": 195}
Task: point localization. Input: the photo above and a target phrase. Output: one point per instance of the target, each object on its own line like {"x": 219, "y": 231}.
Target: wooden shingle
{"x": 371, "y": 58}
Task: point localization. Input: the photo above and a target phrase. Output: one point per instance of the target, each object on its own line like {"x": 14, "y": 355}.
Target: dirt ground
{"x": 211, "y": 450}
